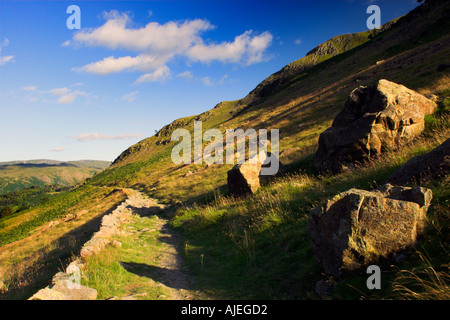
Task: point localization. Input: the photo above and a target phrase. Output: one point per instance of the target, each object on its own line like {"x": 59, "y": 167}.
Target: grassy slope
{"x": 39, "y": 241}
{"x": 19, "y": 175}
{"x": 301, "y": 107}
{"x": 258, "y": 247}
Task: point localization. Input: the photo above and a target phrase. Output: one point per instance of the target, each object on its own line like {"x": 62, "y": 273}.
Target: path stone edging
{"x": 65, "y": 285}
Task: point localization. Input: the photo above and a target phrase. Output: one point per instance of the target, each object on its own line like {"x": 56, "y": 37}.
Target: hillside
{"x": 17, "y": 175}
{"x": 300, "y": 100}
{"x": 255, "y": 247}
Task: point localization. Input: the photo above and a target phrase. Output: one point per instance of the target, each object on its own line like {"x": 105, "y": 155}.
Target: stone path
{"x": 169, "y": 262}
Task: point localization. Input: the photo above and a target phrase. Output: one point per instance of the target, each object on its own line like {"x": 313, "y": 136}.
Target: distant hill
{"x": 17, "y": 175}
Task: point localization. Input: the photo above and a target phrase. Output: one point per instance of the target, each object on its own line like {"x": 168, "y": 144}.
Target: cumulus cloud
{"x": 97, "y": 136}
{"x": 144, "y": 62}
{"x": 157, "y": 44}
{"x": 154, "y": 37}
{"x": 161, "y": 74}
{"x": 186, "y": 75}
{"x": 246, "y": 48}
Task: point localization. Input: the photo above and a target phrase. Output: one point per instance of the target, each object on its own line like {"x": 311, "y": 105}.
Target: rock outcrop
{"x": 432, "y": 165}
{"x": 374, "y": 119}
{"x": 358, "y": 227}
{"x": 246, "y": 178}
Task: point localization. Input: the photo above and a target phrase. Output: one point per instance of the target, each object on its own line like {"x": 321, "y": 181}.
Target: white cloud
{"x": 97, "y": 136}
{"x": 161, "y": 74}
{"x": 298, "y": 41}
{"x": 157, "y": 44}
{"x": 66, "y": 96}
{"x": 246, "y": 49}
{"x": 58, "y": 149}
{"x": 111, "y": 64}
{"x": 171, "y": 37}
{"x": 186, "y": 75}
{"x": 6, "y": 59}
{"x": 130, "y": 96}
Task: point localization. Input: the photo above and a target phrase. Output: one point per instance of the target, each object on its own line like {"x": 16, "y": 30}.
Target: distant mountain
{"x": 17, "y": 175}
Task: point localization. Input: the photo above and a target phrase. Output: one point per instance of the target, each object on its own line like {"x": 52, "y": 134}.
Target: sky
{"x": 134, "y": 66}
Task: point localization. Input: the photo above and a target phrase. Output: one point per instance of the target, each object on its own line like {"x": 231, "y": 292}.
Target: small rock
{"x": 48, "y": 294}
{"x": 75, "y": 291}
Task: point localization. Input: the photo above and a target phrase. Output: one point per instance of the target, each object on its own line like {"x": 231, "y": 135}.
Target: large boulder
{"x": 357, "y": 227}
{"x": 432, "y": 165}
{"x": 246, "y": 178}
{"x": 374, "y": 119}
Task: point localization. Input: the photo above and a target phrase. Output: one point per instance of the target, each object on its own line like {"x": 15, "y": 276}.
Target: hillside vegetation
{"x": 258, "y": 247}
{"x": 301, "y": 100}
{"x": 17, "y": 175}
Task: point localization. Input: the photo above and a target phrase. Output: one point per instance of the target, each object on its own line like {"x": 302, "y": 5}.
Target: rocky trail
{"x": 143, "y": 222}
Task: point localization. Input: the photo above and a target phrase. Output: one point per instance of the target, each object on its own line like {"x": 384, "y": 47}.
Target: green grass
{"x": 51, "y": 210}
{"x": 133, "y": 268}
{"x": 259, "y": 248}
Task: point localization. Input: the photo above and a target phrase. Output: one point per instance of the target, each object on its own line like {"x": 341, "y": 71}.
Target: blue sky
{"x": 135, "y": 66}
